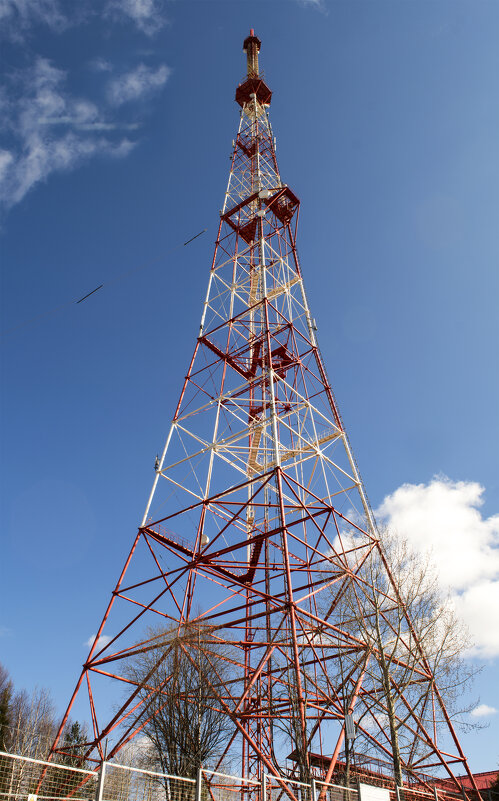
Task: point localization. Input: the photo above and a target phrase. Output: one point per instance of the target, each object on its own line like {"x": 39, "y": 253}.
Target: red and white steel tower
{"x": 258, "y": 534}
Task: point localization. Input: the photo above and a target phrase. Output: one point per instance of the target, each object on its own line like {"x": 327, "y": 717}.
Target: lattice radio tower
{"x": 258, "y": 552}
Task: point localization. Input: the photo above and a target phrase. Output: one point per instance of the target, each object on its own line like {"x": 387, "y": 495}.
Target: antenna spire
{"x": 253, "y": 89}
{"x": 251, "y": 47}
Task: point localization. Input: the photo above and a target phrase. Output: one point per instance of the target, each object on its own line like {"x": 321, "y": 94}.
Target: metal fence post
{"x": 435, "y": 793}
{"x": 100, "y": 782}
{"x": 199, "y": 784}
{"x": 264, "y": 786}
{"x": 397, "y": 792}
{"x": 314, "y": 789}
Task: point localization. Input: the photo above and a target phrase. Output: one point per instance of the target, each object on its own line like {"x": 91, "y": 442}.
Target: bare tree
{"x": 414, "y": 644}
{"x": 27, "y": 727}
{"x": 28, "y": 722}
{"x": 181, "y": 675}
{"x": 33, "y": 723}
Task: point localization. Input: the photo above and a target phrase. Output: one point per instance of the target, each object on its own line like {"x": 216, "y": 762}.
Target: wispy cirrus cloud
{"x": 17, "y": 16}
{"x": 49, "y": 130}
{"x": 46, "y": 126}
{"x": 443, "y": 517}
{"x": 145, "y": 14}
{"x": 140, "y": 82}
{"x": 320, "y": 5}
{"x": 100, "y": 64}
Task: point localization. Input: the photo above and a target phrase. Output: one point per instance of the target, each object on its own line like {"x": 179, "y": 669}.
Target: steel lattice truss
{"x": 258, "y": 534}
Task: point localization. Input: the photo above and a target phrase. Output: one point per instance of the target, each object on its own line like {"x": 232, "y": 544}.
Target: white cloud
{"x": 6, "y": 159}
{"x": 444, "y": 517}
{"x": 482, "y": 711}
{"x": 50, "y": 131}
{"x": 319, "y": 4}
{"x": 146, "y": 14}
{"x": 478, "y": 606}
{"x": 100, "y": 65}
{"x": 108, "y": 126}
{"x": 372, "y": 722}
{"x": 133, "y": 753}
{"x": 101, "y": 642}
{"x": 45, "y": 127}
{"x": 16, "y": 16}
{"x": 140, "y": 82}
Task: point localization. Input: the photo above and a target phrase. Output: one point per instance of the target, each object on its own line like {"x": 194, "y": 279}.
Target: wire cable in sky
{"x": 194, "y": 237}
{"x": 108, "y": 284}
{"x": 90, "y": 293}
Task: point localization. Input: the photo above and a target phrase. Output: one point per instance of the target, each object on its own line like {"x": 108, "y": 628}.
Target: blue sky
{"x": 118, "y": 118}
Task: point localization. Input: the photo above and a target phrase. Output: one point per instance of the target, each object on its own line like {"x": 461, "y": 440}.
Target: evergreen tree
{"x": 5, "y": 711}
{"x": 5, "y": 726}
{"x": 74, "y": 742}
{"x": 68, "y": 784}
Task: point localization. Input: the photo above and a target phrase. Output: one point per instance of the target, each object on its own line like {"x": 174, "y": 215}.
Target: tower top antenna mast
{"x": 251, "y": 47}
{"x": 253, "y": 85}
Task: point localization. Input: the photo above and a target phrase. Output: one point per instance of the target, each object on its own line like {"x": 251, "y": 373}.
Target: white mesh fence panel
{"x": 122, "y": 783}
{"x": 223, "y": 787}
{"x": 26, "y": 779}
{"x": 334, "y": 792}
{"x": 287, "y": 790}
